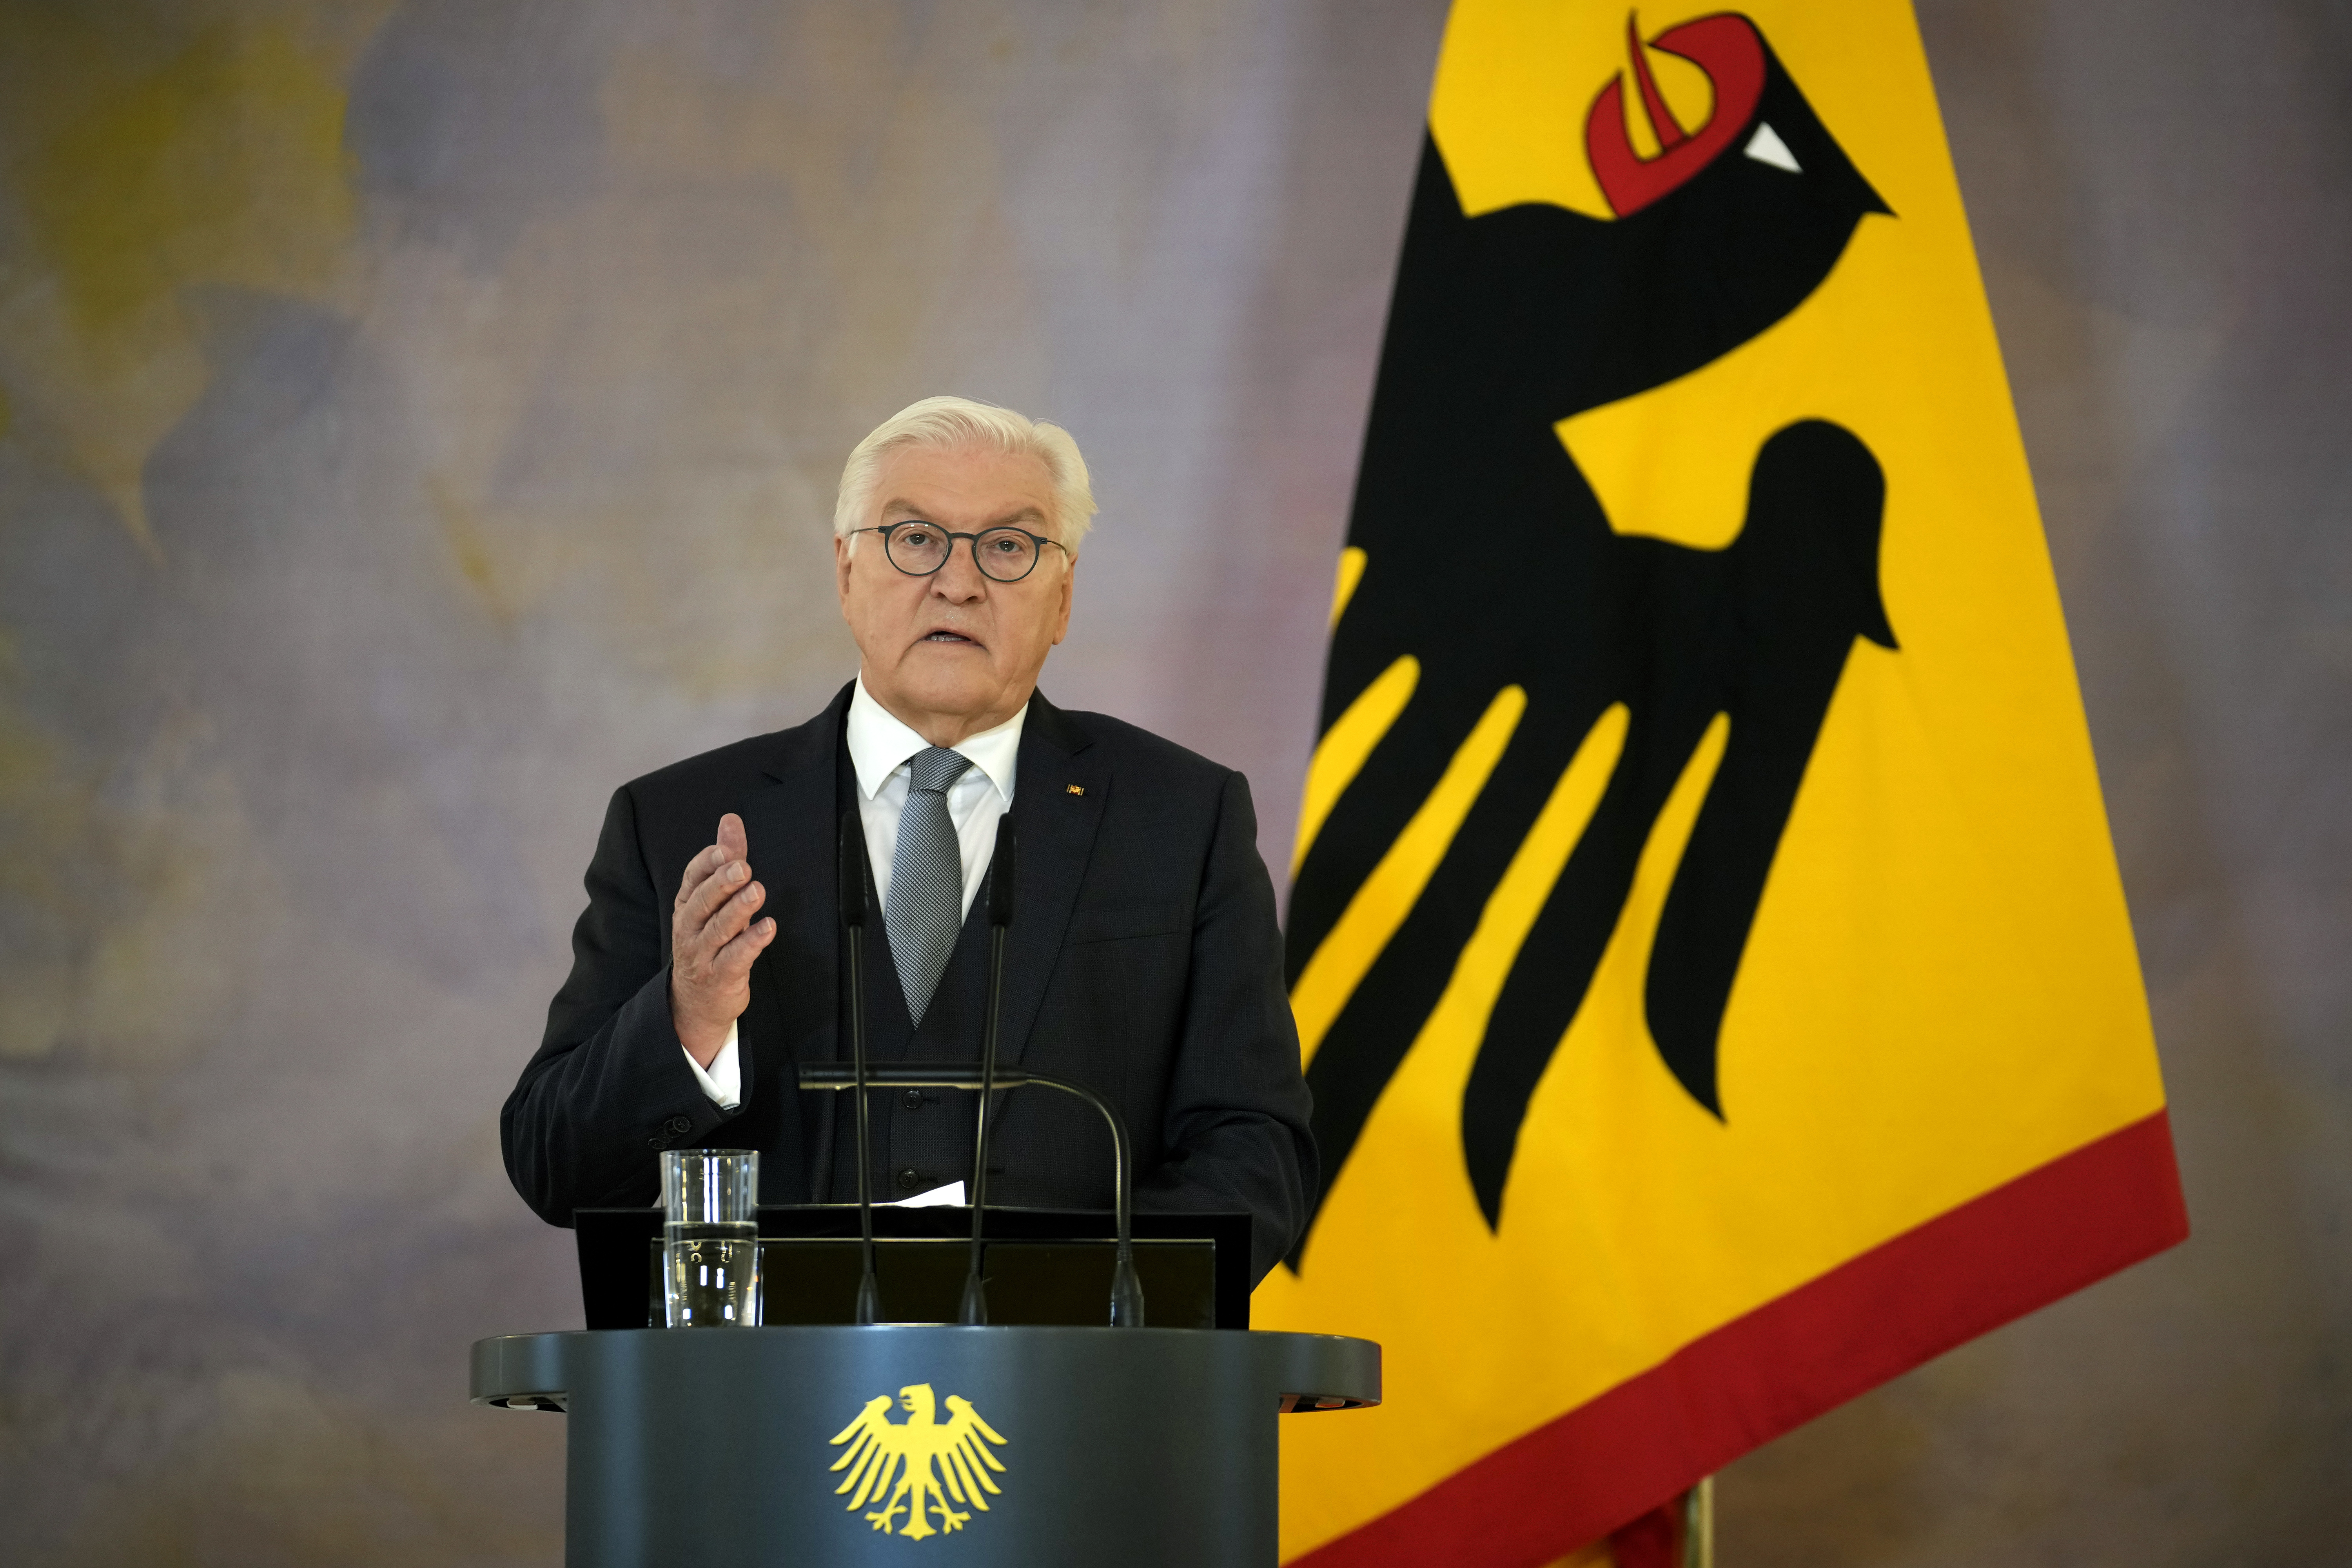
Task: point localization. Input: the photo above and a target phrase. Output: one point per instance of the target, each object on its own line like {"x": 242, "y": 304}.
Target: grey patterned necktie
{"x": 924, "y": 908}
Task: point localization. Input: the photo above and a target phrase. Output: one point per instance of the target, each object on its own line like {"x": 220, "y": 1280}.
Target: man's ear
{"x": 1062, "y": 627}
{"x": 841, "y": 543}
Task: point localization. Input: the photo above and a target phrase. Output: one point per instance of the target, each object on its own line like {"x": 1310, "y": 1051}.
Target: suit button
{"x": 679, "y": 1126}
{"x": 907, "y": 1179}
{"x": 913, "y": 1100}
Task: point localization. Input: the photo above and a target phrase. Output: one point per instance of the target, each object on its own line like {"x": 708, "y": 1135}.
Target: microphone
{"x": 853, "y": 924}
{"x": 1126, "y": 1289}
{"x": 1000, "y": 915}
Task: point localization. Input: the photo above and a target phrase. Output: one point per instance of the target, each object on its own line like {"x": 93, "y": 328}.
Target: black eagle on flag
{"x": 1489, "y": 560}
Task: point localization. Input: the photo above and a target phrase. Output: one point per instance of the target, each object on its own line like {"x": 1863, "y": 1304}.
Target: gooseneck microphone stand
{"x": 1127, "y": 1286}
{"x": 853, "y": 922}
{"x": 1000, "y": 915}
{"x": 986, "y": 1080}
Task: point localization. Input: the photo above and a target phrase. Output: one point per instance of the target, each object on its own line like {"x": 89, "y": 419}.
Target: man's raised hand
{"x": 712, "y": 941}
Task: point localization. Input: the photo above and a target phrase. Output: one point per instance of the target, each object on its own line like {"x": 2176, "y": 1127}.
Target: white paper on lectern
{"x": 951, "y": 1193}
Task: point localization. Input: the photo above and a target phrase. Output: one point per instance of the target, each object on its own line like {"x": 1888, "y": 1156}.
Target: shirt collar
{"x": 879, "y": 745}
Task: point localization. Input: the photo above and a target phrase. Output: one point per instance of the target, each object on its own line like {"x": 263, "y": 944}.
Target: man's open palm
{"x": 713, "y": 941}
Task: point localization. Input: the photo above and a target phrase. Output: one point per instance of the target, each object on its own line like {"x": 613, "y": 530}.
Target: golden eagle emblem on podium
{"x": 922, "y": 1465}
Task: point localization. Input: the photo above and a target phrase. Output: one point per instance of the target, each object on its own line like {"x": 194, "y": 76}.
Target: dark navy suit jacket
{"x": 1144, "y": 961}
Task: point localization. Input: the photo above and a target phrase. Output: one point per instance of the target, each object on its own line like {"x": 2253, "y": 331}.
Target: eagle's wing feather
{"x": 876, "y": 1446}
{"x": 968, "y": 1459}
{"x": 960, "y": 1409}
{"x": 866, "y": 1421}
{"x": 955, "y": 1475}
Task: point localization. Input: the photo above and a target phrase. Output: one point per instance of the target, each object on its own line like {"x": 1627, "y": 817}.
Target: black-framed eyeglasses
{"x": 1002, "y": 553}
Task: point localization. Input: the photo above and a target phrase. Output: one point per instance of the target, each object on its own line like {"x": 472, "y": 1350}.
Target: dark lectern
{"x": 1028, "y": 1446}
{"x": 1015, "y": 1440}
{"x": 1025, "y": 1442}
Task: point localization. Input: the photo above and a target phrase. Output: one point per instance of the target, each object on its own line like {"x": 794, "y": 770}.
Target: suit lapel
{"x": 1057, "y": 804}
{"x": 791, "y": 825}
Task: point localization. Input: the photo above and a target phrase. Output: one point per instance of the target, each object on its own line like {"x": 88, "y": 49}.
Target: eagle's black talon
{"x": 1396, "y": 778}
{"x": 1387, "y": 1008}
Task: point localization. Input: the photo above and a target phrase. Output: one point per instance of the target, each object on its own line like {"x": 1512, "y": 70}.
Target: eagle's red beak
{"x": 1727, "y": 49}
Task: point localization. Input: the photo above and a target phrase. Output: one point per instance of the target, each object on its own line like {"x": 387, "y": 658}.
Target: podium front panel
{"x": 729, "y": 1447}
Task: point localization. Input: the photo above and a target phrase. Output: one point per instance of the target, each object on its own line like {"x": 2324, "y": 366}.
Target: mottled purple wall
{"x": 420, "y": 417}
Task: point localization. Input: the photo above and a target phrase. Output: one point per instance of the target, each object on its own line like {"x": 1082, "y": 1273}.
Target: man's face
{"x": 956, "y": 652}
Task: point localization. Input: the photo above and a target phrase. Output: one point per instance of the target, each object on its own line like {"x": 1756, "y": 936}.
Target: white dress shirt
{"x": 879, "y": 748}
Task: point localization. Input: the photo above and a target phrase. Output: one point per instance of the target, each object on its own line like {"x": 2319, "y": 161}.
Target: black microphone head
{"x": 853, "y": 870}
{"x": 999, "y": 874}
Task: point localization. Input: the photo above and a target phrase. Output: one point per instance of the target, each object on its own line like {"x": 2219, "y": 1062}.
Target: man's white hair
{"x": 948, "y": 423}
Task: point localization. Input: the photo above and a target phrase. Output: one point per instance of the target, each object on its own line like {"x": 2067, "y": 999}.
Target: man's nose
{"x": 960, "y": 578}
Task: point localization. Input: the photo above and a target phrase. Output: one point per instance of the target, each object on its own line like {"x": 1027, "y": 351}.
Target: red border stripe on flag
{"x": 2053, "y": 1230}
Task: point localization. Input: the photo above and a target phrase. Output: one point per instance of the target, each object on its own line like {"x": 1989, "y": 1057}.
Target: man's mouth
{"x": 949, "y": 637}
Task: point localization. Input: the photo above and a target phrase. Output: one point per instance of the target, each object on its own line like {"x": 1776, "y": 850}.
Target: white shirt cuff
{"x": 723, "y": 1080}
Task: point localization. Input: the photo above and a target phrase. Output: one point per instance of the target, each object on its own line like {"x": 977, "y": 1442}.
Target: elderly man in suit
{"x": 1144, "y": 961}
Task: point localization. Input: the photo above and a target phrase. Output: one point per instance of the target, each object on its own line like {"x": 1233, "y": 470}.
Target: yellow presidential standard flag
{"x": 1705, "y": 938}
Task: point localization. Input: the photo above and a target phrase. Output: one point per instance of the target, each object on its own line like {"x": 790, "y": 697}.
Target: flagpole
{"x": 1698, "y": 1525}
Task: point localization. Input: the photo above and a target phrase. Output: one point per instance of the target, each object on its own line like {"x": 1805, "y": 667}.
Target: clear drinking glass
{"x": 710, "y": 1237}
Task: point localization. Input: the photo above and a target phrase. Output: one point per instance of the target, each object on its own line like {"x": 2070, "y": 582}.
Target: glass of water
{"x": 710, "y": 1237}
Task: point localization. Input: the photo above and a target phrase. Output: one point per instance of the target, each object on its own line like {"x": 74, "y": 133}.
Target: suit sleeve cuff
{"x": 723, "y": 1081}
